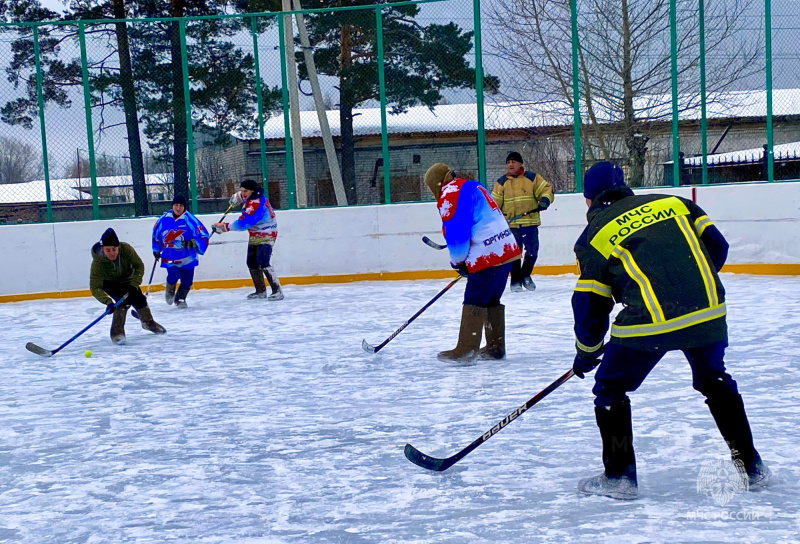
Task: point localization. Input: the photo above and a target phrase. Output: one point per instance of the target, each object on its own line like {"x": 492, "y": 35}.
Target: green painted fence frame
{"x": 379, "y": 9}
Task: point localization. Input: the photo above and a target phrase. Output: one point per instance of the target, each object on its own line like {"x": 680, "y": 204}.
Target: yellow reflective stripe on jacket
{"x": 701, "y": 223}
{"x": 592, "y": 286}
{"x": 588, "y": 349}
{"x": 648, "y": 294}
{"x": 675, "y": 324}
{"x": 619, "y": 228}
{"x": 702, "y": 263}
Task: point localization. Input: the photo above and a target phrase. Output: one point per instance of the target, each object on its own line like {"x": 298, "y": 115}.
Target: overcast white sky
{"x": 55, "y": 5}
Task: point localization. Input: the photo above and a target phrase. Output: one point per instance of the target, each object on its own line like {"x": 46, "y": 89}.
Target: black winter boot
{"x": 516, "y": 277}
{"x": 258, "y": 281}
{"x": 169, "y": 292}
{"x": 180, "y": 298}
{"x": 274, "y": 284}
{"x": 495, "y": 328}
{"x": 731, "y": 419}
{"x": 618, "y": 481}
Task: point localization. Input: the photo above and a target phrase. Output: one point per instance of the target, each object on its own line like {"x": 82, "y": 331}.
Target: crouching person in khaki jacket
{"x": 118, "y": 271}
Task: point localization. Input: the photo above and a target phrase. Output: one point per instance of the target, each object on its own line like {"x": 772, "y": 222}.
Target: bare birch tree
{"x": 624, "y": 63}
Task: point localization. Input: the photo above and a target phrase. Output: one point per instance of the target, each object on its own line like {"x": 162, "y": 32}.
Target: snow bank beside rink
{"x": 760, "y": 220}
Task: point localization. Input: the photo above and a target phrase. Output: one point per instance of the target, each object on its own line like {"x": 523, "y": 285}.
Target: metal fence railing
{"x": 111, "y": 114}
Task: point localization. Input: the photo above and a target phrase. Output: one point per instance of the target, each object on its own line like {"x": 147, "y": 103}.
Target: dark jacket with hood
{"x": 659, "y": 256}
{"x": 127, "y": 268}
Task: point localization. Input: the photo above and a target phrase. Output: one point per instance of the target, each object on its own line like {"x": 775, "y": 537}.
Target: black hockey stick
{"x": 153, "y": 271}
{"x": 520, "y": 216}
{"x": 33, "y": 348}
{"x": 433, "y": 463}
{"x": 433, "y": 244}
{"x": 375, "y": 349}
{"x": 224, "y": 215}
{"x": 430, "y": 243}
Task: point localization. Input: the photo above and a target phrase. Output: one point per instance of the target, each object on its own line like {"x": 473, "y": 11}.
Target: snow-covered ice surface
{"x": 265, "y": 422}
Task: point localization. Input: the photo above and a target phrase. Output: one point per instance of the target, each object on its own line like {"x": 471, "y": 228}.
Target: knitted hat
{"x": 109, "y": 238}
{"x": 601, "y": 177}
{"x": 514, "y": 156}
{"x": 179, "y": 199}
{"x": 438, "y": 175}
{"x": 249, "y": 184}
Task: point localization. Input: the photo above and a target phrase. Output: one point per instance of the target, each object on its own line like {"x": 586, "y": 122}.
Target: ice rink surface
{"x": 265, "y": 422}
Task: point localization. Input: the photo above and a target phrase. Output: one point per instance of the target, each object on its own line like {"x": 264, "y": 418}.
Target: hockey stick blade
{"x": 375, "y": 349}
{"x": 430, "y": 243}
{"x": 33, "y": 348}
{"x": 438, "y": 465}
{"x": 426, "y": 461}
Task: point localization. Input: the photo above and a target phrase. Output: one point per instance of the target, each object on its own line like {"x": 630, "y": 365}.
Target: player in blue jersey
{"x": 258, "y": 218}
{"x": 482, "y": 248}
{"x": 178, "y": 238}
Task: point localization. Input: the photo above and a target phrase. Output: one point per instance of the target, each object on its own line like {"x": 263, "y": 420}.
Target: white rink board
{"x": 760, "y": 221}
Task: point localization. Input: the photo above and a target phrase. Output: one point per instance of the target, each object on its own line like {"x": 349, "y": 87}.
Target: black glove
{"x": 585, "y": 363}
{"x": 157, "y": 255}
{"x": 110, "y": 307}
{"x": 544, "y": 203}
{"x": 461, "y": 268}
{"x": 190, "y": 244}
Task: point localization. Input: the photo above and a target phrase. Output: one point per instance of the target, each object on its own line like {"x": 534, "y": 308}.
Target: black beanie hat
{"x": 109, "y": 238}
{"x": 514, "y": 156}
{"x": 179, "y": 199}
{"x": 249, "y": 184}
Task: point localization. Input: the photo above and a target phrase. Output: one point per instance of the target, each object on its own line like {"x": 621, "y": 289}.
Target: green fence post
{"x": 676, "y": 144}
{"x": 260, "y": 99}
{"x": 87, "y": 106}
{"x": 187, "y": 101}
{"x": 43, "y": 130}
{"x": 703, "y": 118}
{"x": 387, "y": 184}
{"x": 476, "y": 16}
{"x": 287, "y": 130}
{"x": 576, "y": 98}
{"x": 768, "y": 52}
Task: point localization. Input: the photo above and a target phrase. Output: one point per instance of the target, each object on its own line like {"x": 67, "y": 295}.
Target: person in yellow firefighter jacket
{"x": 521, "y": 196}
{"x": 658, "y": 255}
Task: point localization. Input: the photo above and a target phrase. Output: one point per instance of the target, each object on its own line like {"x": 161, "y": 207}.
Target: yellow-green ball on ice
{"x": 88, "y": 353}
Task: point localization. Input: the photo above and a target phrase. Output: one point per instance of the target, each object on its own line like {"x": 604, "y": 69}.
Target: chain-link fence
{"x": 110, "y": 116}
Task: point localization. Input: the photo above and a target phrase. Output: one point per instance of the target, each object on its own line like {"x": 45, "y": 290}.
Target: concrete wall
{"x": 761, "y": 221}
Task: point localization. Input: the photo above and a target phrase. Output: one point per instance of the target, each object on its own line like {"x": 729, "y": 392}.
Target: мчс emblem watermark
{"x": 721, "y": 479}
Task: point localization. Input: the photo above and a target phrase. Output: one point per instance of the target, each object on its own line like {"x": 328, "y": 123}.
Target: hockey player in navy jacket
{"x": 659, "y": 255}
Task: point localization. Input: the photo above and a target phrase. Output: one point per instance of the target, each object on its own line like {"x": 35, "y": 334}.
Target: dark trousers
{"x": 184, "y": 274}
{"x": 258, "y": 255}
{"x": 623, "y": 370}
{"x": 485, "y": 288}
{"x": 528, "y": 240}
{"x": 117, "y": 290}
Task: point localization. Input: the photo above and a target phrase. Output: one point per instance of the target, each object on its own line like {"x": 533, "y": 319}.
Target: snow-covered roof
{"x": 521, "y": 115}
{"x": 69, "y": 188}
{"x": 781, "y": 152}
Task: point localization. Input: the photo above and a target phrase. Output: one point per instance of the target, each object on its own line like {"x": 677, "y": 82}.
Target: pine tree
{"x": 222, "y": 91}
{"x": 420, "y": 62}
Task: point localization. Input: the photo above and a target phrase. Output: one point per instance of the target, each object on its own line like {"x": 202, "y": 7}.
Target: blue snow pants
{"x": 623, "y": 370}
{"x": 258, "y": 255}
{"x": 184, "y": 274}
{"x": 484, "y": 288}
